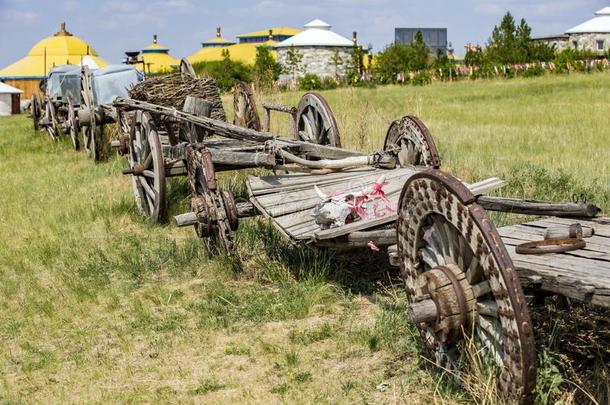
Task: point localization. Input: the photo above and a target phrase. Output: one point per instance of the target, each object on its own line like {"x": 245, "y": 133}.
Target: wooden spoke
{"x": 35, "y": 110}
{"x": 451, "y": 254}
{"x": 473, "y": 271}
{"x": 72, "y": 124}
{"x": 149, "y": 191}
{"x": 145, "y": 154}
{"x": 412, "y": 143}
{"x": 244, "y": 106}
{"x": 51, "y": 126}
{"x": 489, "y": 308}
{"x": 489, "y": 345}
{"x": 316, "y": 122}
{"x": 481, "y": 289}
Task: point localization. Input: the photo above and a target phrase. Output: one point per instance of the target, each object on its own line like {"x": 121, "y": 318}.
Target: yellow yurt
{"x": 60, "y": 49}
{"x": 245, "y": 50}
{"x": 217, "y": 41}
{"x": 156, "y": 58}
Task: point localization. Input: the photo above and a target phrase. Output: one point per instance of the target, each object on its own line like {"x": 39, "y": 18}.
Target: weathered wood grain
{"x": 533, "y": 207}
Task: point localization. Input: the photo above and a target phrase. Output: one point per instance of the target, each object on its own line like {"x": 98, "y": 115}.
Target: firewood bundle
{"x": 171, "y": 91}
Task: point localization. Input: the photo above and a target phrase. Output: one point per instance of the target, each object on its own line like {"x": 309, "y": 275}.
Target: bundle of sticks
{"x": 171, "y": 91}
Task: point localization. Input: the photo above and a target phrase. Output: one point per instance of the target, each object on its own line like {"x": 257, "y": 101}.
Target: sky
{"x": 115, "y": 26}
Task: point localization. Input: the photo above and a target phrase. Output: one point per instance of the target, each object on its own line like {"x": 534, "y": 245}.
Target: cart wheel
{"x": 215, "y": 209}
{"x": 315, "y": 121}
{"x": 72, "y": 125}
{"x": 93, "y": 130}
{"x": 51, "y": 126}
{"x": 148, "y": 169}
{"x": 94, "y": 139}
{"x": 461, "y": 283}
{"x": 244, "y": 106}
{"x": 186, "y": 69}
{"x": 35, "y": 110}
{"x": 412, "y": 143}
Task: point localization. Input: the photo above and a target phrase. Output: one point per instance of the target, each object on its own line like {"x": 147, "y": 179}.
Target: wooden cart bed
{"x": 582, "y": 274}
{"x": 289, "y": 199}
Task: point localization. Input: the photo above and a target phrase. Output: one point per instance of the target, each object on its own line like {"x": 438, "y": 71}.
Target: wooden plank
{"x": 533, "y": 207}
{"x": 354, "y": 226}
{"x": 586, "y": 253}
{"x": 272, "y": 184}
{"x": 278, "y": 204}
{"x": 531, "y": 234}
{"x": 600, "y": 226}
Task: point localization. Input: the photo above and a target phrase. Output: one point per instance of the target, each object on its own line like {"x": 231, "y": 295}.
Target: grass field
{"x": 98, "y": 306}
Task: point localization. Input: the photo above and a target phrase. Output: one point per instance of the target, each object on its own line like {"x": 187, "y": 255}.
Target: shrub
{"x": 310, "y": 82}
{"x": 534, "y": 71}
{"x": 226, "y": 72}
{"x": 329, "y": 83}
{"x": 421, "y": 78}
{"x": 266, "y": 70}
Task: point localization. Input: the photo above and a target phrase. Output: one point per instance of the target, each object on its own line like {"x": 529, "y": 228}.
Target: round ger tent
{"x": 9, "y": 99}
{"x": 156, "y": 58}
{"x": 323, "y": 52}
{"x": 59, "y": 49}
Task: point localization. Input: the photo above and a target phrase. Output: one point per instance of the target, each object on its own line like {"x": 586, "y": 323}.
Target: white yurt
{"x": 321, "y": 51}
{"x": 9, "y": 99}
{"x": 593, "y": 34}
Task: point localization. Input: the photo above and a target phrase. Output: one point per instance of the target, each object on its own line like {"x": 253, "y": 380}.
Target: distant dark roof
{"x": 558, "y": 36}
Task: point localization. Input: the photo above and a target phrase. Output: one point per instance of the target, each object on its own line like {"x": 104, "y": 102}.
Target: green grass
{"x": 99, "y": 306}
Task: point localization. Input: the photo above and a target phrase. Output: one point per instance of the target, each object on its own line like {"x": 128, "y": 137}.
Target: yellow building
{"x": 245, "y": 50}
{"x": 156, "y": 58}
{"x": 60, "y": 49}
{"x": 217, "y": 41}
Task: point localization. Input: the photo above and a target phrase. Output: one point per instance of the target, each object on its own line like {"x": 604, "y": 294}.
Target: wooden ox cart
{"x": 51, "y": 113}
{"x": 463, "y": 277}
{"x": 97, "y": 90}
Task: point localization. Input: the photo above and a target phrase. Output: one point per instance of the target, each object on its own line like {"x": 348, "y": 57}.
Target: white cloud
{"x": 20, "y": 16}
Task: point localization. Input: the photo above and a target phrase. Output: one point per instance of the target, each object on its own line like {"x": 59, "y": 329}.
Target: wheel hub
{"x": 445, "y": 302}
{"x": 203, "y": 205}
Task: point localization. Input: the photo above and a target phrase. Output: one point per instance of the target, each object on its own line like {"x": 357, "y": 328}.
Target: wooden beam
{"x": 534, "y": 207}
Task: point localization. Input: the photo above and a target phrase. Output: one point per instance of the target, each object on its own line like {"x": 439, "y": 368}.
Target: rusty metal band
{"x": 550, "y": 246}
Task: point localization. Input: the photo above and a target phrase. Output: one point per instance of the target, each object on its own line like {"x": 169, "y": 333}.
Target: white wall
{"x": 5, "y": 104}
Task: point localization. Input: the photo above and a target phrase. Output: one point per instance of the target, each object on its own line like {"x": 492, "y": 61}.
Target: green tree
{"x": 266, "y": 70}
{"x": 420, "y": 54}
{"x": 356, "y": 65}
{"x": 293, "y": 62}
{"x": 442, "y": 65}
{"x": 337, "y": 62}
{"x": 391, "y": 61}
{"x": 523, "y": 42}
{"x": 502, "y": 45}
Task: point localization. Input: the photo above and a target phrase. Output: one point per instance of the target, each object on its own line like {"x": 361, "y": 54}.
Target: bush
{"x": 310, "y": 82}
{"x": 266, "y": 70}
{"x": 421, "y": 79}
{"x": 329, "y": 83}
{"x": 534, "y": 71}
{"x": 226, "y": 72}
